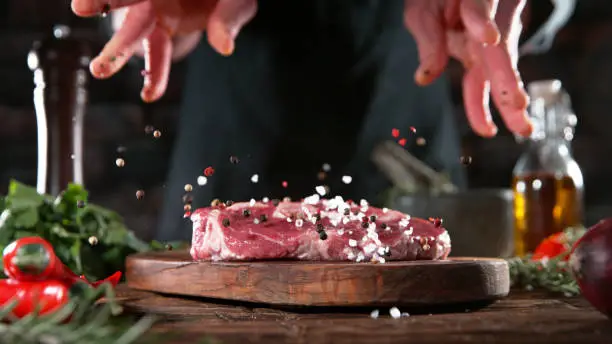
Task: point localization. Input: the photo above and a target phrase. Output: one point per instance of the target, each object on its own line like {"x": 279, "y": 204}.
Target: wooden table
{"x": 521, "y": 318}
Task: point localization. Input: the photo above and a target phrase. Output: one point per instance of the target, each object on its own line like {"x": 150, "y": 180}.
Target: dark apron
{"x": 311, "y": 82}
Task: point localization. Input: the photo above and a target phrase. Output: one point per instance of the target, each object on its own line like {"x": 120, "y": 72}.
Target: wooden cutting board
{"x": 417, "y": 283}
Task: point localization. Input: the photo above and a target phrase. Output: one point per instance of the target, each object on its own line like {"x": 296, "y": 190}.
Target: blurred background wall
{"x": 581, "y": 58}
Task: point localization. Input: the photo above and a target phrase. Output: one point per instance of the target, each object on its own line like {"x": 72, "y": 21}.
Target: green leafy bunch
{"x": 89, "y": 239}
{"x": 551, "y": 274}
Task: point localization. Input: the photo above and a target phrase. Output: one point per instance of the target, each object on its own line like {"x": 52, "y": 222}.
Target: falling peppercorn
{"x": 149, "y": 129}
{"x": 284, "y": 183}
{"x": 209, "y": 171}
{"x": 121, "y": 149}
{"x": 234, "y": 159}
{"x": 140, "y": 194}
{"x": 157, "y": 134}
{"x": 120, "y": 162}
{"x": 421, "y": 141}
{"x": 466, "y": 160}
{"x": 226, "y": 222}
{"x": 215, "y": 202}
{"x": 187, "y": 199}
{"x": 187, "y": 208}
{"x": 93, "y": 241}
{"x": 321, "y": 176}
{"x": 188, "y": 187}
{"x": 106, "y": 8}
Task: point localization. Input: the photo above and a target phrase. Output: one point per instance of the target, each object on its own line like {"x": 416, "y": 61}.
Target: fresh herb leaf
{"x": 67, "y": 222}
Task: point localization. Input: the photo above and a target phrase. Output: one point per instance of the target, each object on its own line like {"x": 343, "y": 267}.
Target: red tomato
{"x": 45, "y": 297}
{"x": 552, "y": 247}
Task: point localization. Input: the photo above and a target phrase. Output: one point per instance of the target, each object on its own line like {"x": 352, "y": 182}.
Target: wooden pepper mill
{"x": 60, "y": 65}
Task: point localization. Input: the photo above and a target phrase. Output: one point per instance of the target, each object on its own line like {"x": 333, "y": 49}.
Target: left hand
{"x": 483, "y": 35}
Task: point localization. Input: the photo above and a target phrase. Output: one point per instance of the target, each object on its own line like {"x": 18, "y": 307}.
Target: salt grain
{"x": 202, "y": 180}
{"x": 188, "y": 188}
{"x": 326, "y": 167}
{"x": 385, "y": 210}
{"x": 265, "y": 200}
{"x": 255, "y": 178}
{"x": 321, "y": 190}
{"x": 252, "y": 202}
{"x": 374, "y": 314}
{"x": 347, "y": 179}
{"x": 352, "y": 243}
{"x": 395, "y": 313}
{"x": 299, "y": 223}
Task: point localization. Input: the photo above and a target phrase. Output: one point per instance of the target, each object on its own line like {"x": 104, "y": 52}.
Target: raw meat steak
{"x": 314, "y": 229}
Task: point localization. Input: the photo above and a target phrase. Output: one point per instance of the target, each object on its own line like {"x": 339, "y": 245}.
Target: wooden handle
{"x": 60, "y": 64}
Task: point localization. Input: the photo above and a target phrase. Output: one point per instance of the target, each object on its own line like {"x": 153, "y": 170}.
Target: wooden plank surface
{"x": 422, "y": 283}
{"x": 520, "y": 318}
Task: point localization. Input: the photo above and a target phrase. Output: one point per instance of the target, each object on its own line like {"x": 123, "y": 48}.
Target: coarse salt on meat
{"x": 294, "y": 230}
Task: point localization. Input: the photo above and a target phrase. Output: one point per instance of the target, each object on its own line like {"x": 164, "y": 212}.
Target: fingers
{"x": 228, "y": 17}
{"x": 501, "y": 65}
{"x": 137, "y": 25}
{"x": 424, "y": 19}
{"x": 478, "y": 19}
{"x": 158, "y": 58}
{"x": 90, "y": 8}
{"x": 476, "y": 102}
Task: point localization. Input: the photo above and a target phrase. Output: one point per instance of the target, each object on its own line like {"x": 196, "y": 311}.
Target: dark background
{"x": 116, "y": 117}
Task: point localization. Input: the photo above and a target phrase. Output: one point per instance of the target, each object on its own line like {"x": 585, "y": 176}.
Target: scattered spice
{"x": 375, "y": 313}
{"x": 225, "y": 222}
{"x": 149, "y": 129}
{"x": 215, "y": 202}
{"x": 320, "y": 227}
{"x": 246, "y": 213}
{"x": 275, "y": 202}
{"x": 263, "y": 218}
{"x": 157, "y": 134}
{"x": 120, "y": 162}
{"x": 287, "y": 199}
{"x": 229, "y": 203}
{"x": 188, "y": 187}
{"x": 284, "y": 183}
{"x": 364, "y": 224}
{"x": 322, "y": 235}
{"x": 168, "y": 247}
{"x": 421, "y": 141}
{"x": 255, "y": 178}
{"x": 383, "y": 225}
{"x": 234, "y": 159}
{"x": 209, "y": 171}
{"x": 187, "y": 215}
{"x": 93, "y": 240}
{"x": 321, "y": 176}
{"x": 436, "y": 221}
{"x": 395, "y": 132}
{"x": 80, "y": 204}
{"x": 413, "y": 129}
{"x": 202, "y": 180}
{"x": 347, "y": 179}
{"x": 372, "y": 218}
{"x": 187, "y": 208}
{"x": 106, "y": 8}
{"x": 121, "y": 149}
{"x": 466, "y": 160}
{"x": 395, "y": 313}
{"x": 187, "y": 199}
{"x": 326, "y": 167}
{"x": 402, "y": 142}
{"x": 140, "y": 194}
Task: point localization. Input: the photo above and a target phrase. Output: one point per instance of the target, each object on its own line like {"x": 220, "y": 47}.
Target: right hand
{"x": 153, "y": 24}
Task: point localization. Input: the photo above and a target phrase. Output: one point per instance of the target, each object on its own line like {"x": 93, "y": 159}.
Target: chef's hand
{"x": 154, "y": 23}
{"x": 483, "y": 35}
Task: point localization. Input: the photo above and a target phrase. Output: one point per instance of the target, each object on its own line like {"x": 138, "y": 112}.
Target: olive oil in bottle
{"x": 547, "y": 181}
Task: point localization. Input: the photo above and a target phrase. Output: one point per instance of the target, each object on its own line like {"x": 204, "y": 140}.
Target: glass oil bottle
{"x": 547, "y": 181}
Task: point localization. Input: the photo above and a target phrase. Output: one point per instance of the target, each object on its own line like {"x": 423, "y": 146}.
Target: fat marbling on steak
{"x": 314, "y": 229}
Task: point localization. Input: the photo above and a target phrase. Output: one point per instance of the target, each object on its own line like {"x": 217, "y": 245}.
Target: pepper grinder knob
{"x": 60, "y": 66}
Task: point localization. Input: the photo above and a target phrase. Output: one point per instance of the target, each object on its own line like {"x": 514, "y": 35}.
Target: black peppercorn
{"x": 263, "y": 218}
{"x": 347, "y": 212}
{"x": 383, "y": 225}
{"x": 373, "y": 218}
{"x": 364, "y": 224}
{"x": 320, "y": 227}
{"x": 246, "y": 213}
{"x": 229, "y": 203}
{"x": 187, "y": 199}
{"x": 322, "y": 235}
{"x": 388, "y": 253}
{"x": 225, "y": 222}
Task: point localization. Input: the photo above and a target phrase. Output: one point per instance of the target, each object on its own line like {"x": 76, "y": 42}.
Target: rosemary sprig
{"x": 82, "y": 320}
{"x": 550, "y": 274}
